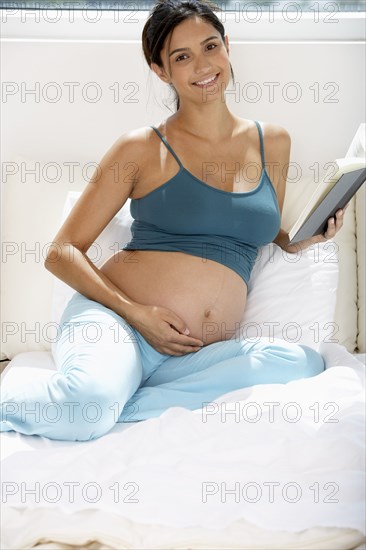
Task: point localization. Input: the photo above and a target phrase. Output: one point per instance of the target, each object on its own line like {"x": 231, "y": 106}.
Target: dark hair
{"x": 165, "y": 16}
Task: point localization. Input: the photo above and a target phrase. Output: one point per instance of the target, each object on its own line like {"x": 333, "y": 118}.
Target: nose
{"x": 202, "y": 66}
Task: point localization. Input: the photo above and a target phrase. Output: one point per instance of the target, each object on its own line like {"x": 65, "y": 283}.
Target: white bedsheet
{"x": 167, "y": 463}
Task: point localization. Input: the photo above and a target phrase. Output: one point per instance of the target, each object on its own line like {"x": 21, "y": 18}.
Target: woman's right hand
{"x": 164, "y": 330}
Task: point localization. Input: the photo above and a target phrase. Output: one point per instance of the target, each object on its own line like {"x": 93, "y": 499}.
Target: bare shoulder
{"x": 133, "y": 142}
{"x": 275, "y": 134}
{"x": 132, "y": 147}
{"x": 137, "y": 139}
{"x": 275, "y": 137}
{"x": 277, "y": 141}
{"x": 277, "y": 147}
{"x": 275, "y": 131}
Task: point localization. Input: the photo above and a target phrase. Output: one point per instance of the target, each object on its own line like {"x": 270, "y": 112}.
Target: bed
{"x": 271, "y": 466}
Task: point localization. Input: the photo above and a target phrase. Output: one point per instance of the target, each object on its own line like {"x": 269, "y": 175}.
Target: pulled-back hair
{"x": 165, "y": 16}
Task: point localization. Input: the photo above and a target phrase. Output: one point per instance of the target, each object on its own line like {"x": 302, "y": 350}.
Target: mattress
{"x": 289, "y": 477}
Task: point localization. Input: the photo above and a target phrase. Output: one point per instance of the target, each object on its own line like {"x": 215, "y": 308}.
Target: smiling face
{"x": 195, "y": 52}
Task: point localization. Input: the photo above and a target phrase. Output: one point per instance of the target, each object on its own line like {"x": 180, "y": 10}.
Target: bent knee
{"x": 88, "y": 430}
{"x": 310, "y": 362}
{"x": 83, "y": 388}
{"x": 94, "y": 408}
{"x": 90, "y": 420}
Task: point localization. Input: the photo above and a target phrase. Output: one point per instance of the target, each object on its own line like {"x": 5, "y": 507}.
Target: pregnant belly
{"x": 208, "y": 296}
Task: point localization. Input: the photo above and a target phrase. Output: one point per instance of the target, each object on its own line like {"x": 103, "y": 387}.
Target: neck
{"x": 212, "y": 123}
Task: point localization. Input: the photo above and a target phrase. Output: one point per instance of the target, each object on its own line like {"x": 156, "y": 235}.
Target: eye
{"x": 180, "y": 56}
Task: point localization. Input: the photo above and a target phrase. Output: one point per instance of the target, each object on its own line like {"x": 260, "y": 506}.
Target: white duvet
{"x": 271, "y": 466}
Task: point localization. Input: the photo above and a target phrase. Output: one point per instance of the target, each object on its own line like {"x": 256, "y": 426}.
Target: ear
{"x": 160, "y": 72}
{"x": 227, "y": 43}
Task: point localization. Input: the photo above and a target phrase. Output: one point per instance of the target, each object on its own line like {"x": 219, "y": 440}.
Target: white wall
{"x": 315, "y": 90}
{"x": 321, "y": 123}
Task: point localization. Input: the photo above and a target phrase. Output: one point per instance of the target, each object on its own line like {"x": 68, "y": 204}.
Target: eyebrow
{"x": 201, "y": 43}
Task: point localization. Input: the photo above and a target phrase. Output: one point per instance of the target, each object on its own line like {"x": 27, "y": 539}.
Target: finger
{"x": 184, "y": 340}
{"x": 341, "y": 211}
{"x": 195, "y": 342}
{"x": 187, "y": 344}
{"x": 187, "y": 341}
{"x": 339, "y": 219}
{"x": 330, "y": 228}
{"x": 179, "y": 326}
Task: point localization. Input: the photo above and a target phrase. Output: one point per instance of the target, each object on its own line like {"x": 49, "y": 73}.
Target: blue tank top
{"x": 185, "y": 214}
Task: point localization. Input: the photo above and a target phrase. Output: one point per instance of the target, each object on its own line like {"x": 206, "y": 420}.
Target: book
{"x": 331, "y": 194}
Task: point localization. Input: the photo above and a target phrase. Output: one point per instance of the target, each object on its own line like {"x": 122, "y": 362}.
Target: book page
{"x": 343, "y": 166}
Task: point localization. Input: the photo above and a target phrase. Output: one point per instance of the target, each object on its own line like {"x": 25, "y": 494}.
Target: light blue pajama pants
{"x": 107, "y": 373}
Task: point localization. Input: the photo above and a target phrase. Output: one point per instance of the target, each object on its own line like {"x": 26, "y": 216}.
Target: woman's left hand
{"x": 332, "y": 229}
{"x": 333, "y": 226}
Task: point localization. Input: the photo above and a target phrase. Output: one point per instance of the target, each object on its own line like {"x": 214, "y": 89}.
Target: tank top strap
{"x": 167, "y": 145}
{"x": 261, "y": 142}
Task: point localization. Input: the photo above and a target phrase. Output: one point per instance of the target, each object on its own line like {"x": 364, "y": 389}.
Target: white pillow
{"x": 290, "y": 296}
{"x": 293, "y": 296}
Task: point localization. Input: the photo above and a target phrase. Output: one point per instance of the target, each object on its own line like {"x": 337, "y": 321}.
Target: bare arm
{"x": 80, "y": 273}
{"x": 278, "y": 147}
{"x": 280, "y": 144}
{"x": 100, "y": 201}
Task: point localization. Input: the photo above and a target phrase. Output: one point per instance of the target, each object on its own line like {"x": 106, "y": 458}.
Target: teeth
{"x": 206, "y": 81}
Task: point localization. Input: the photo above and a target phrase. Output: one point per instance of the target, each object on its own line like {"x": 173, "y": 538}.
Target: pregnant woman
{"x": 166, "y": 308}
